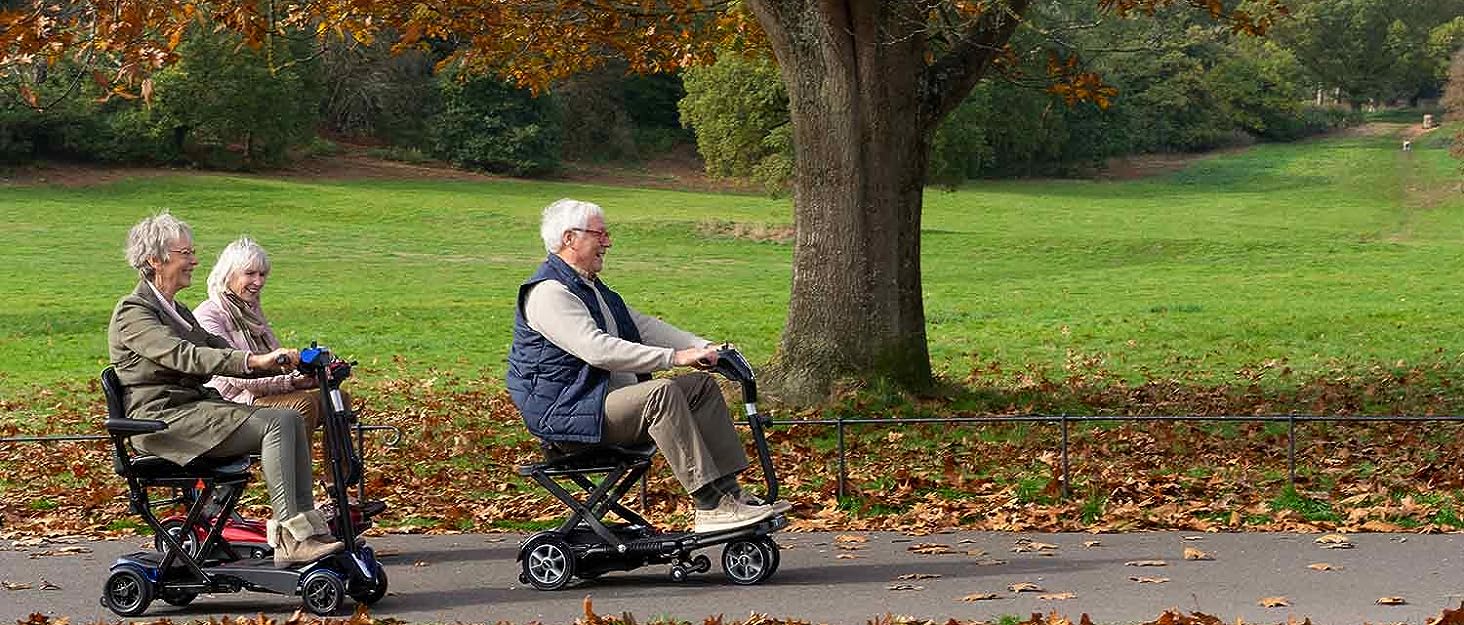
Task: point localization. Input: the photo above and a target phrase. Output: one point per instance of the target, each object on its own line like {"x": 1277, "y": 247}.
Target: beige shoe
{"x": 731, "y": 513}
{"x": 298, "y": 544}
{"x": 318, "y": 524}
{"x": 780, "y": 506}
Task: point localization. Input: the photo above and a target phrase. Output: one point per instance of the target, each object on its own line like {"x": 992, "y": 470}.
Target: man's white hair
{"x": 565, "y": 215}
{"x": 151, "y": 238}
{"x": 241, "y": 255}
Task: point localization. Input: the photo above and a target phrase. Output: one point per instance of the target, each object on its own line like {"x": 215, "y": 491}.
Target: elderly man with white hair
{"x": 579, "y": 372}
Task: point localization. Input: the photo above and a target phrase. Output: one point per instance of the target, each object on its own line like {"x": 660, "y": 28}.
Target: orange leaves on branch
{"x": 1075, "y": 85}
{"x": 530, "y": 43}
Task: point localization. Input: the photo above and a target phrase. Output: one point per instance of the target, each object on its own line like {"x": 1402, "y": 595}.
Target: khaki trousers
{"x": 283, "y": 444}
{"x": 687, "y": 417}
{"x": 305, "y": 402}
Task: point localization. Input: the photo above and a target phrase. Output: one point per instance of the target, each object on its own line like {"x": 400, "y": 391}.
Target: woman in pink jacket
{"x": 232, "y": 311}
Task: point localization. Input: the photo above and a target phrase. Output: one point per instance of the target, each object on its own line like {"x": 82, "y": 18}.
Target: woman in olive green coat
{"x": 163, "y": 359}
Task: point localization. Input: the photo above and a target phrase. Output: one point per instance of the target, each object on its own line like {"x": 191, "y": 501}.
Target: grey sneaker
{"x": 780, "y": 506}
{"x": 731, "y": 514}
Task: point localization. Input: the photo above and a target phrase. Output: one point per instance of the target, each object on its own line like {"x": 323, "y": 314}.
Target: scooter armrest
{"x": 132, "y": 427}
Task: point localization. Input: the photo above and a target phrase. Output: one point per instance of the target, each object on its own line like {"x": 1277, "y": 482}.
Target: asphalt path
{"x": 830, "y": 578}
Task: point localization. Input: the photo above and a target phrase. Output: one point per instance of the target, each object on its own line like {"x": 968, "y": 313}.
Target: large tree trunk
{"x": 862, "y": 144}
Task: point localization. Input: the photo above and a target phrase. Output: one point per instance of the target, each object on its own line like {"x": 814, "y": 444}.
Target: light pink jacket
{"x": 217, "y": 321}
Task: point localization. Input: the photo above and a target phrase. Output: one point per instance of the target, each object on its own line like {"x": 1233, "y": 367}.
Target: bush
{"x": 229, "y": 106}
{"x": 368, "y": 92}
{"x": 489, "y": 125}
{"x": 609, "y": 115}
{"x": 738, "y": 110}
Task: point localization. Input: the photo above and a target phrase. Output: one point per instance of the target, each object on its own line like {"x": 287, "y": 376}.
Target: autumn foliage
{"x": 453, "y": 470}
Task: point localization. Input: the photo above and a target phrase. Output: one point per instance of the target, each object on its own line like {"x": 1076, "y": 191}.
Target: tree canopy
{"x": 869, "y": 82}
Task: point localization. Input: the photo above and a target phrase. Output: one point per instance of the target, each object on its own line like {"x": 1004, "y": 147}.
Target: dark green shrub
{"x": 738, "y": 110}
{"x": 229, "y": 106}
{"x": 489, "y": 125}
{"x": 368, "y": 92}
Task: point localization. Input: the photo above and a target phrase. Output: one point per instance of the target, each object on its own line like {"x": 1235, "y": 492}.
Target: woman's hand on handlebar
{"x": 699, "y": 357}
{"x": 283, "y": 359}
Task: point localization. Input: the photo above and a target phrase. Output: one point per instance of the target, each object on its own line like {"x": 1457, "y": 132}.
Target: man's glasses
{"x": 187, "y": 251}
{"x": 603, "y": 234}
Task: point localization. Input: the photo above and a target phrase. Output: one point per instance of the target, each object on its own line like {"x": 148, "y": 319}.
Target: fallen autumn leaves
{"x": 363, "y": 617}
{"x": 453, "y": 469}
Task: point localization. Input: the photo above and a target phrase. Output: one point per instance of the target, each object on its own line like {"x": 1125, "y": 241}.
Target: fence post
{"x": 839, "y": 424}
{"x": 1291, "y": 450}
{"x": 1064, "y": 420}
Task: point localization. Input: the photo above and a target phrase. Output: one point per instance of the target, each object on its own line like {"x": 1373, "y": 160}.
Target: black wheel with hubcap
{"x": 547, "y": 562}
{"x": 127, "y": 592}
{"x": 174, "y": 527}
{"x": 323, "y": 592}
{"x": 747, "y": 561}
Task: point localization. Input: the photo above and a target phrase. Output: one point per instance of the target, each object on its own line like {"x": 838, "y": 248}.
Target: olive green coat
{"x": 163, "y": 366}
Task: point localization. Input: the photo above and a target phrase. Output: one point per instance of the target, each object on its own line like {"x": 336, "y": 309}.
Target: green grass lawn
{"x": 1337, "y": 251}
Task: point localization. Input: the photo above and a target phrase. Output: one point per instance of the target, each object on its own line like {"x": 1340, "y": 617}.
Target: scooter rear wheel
{"x": 127, "y": 592}
{"x": 548, "y": 562}
{"x": 175, "y": 528}
{"x": 747, "y": 561}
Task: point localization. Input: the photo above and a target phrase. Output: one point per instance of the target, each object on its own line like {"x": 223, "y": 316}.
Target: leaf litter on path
{"x": 1190, "y": 553}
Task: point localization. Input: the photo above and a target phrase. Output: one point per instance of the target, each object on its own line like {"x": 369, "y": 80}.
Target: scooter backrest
{"x": 112, "y": 389}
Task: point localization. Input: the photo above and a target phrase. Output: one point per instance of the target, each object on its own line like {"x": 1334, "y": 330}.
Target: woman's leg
{"x": 283, "y": 445}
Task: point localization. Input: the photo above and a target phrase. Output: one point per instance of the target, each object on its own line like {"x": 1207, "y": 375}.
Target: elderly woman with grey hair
{"x": 233, "y": 311}
{"x": 163, "y": 357}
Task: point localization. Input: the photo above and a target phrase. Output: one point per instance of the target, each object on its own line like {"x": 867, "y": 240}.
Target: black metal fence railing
{"x": 1064, "y": 422}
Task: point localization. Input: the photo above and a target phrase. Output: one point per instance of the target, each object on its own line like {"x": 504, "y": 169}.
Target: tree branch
{"x": 952, "y": 77}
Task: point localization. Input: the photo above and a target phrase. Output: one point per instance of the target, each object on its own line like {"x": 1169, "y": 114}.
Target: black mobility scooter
{"x": 178, "y": 574}
{"x": 586, "y": 546}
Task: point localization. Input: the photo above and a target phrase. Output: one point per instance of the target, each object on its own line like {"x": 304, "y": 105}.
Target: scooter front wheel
{"x": 377, "y": 590}
{"x": 747, "y": 561}
{"x": 178, "y": 598}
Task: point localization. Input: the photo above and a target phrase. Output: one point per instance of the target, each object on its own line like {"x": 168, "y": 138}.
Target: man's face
{"x": 586, "y": 247}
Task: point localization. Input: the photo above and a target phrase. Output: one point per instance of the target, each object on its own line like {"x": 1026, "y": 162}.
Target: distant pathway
{"x": 472, "y": 579}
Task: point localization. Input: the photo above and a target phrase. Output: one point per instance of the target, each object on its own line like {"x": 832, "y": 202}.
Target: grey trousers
{"x": 687, "y": 417}
{"x": 279, "y": 437}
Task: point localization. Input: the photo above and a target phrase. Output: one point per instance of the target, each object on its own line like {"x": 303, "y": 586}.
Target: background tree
{"x": 869, "y": 81}
{"x": 1371, "y": 49}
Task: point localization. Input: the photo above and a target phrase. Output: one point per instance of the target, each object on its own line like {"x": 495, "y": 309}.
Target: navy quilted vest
{"x": 561, "y": 397}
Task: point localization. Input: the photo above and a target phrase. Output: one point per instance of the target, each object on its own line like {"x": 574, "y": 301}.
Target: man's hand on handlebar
{"x": 283, "y": 359}
{"x": 699, "y": 357}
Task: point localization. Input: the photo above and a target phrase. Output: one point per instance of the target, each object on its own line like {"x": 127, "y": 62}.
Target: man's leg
{"x": 658, "y": 410}
{"x": 713, "y": 422}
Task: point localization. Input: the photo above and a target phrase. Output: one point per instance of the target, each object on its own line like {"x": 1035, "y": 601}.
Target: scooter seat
{"x": 158, "y": 468}
{"x": 599, "y": 457}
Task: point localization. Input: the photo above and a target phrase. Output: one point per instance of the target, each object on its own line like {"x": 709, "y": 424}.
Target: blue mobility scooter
{"x": 584, "y": 545}
{"x": 177, "y": 574}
